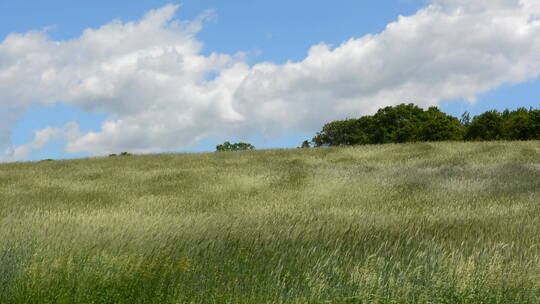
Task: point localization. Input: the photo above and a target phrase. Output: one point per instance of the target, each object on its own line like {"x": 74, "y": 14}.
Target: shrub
{"x": 241, "y": 146}
{"x": 121, "y": 154}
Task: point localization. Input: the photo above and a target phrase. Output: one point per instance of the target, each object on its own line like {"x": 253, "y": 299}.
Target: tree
{"x": 410, "y": 123}
{"x": 534, "y": 116}
{"x": 345, "y": 132}
{"x": 517, "y": 125}
{"x": 397, "y": 124}
{"x": 486, "y": 126}
{"x": 305, "y": 145}
{"x": 241, "y": 146}
{"x": 465, "y": 118}
{"x": 438, "y": 126}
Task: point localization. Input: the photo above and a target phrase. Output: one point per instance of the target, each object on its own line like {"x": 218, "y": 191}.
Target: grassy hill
{"x": 413, "y": 223}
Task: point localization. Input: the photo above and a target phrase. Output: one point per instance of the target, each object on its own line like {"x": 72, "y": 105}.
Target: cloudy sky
{"x": 87, "y": 78}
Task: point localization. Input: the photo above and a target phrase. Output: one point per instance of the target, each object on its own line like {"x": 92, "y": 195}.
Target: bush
{"x": 121, "y": 154}
{"x": 241, "y": 146}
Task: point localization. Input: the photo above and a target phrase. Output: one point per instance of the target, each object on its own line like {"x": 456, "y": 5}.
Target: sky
{"x": 90, "y": 78}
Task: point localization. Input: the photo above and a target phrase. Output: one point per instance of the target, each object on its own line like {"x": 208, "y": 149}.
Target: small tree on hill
{"x": 241, "y": 146}
{"x": 305, "y": 144}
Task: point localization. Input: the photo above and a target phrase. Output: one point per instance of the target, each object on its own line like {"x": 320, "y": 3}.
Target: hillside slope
{"x": 413, "y": 223}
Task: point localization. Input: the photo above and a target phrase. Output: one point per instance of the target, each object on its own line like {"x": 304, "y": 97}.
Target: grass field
{"x": 413, "y": 223}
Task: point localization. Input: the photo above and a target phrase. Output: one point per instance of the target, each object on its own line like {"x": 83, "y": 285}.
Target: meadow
{"x": 425, "y": 223}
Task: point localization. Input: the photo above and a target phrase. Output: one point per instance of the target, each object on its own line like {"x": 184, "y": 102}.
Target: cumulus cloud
{"x": 448, "y": 50}
{"x": 42, "y": 137}
{"x": 152, "y": 79}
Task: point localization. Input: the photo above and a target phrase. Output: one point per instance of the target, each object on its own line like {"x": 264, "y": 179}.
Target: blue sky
{"x": 276, "y": 31}
{"x": 264, "y": 31}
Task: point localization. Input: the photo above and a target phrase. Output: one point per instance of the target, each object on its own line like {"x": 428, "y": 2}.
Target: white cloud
{"x": 44, "y": 136}
{"x": 448, "y": 50}
{"x": 151, "y": 77}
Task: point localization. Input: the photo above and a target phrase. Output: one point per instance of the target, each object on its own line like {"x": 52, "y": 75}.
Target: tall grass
{"x": 414, "y": 223}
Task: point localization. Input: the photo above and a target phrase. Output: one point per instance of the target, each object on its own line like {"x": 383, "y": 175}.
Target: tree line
{"x": 410, "y": 123}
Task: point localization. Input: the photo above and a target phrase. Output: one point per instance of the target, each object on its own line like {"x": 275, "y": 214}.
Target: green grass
{"x": 414, "y": 223}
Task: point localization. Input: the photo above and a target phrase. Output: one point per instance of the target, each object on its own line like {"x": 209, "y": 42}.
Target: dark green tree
{"x": 534, "y": 116}
{"x": 341, "y": 132}
{"x": 438, "y": 126}
{"x": 518, "y": 125}
{"x": 397, "y": 124}
{"x": 465, "y": 118}
{"x": 305, "y": 145}
{"x": 486, "y": 126}
{"x": 410, "y": 123}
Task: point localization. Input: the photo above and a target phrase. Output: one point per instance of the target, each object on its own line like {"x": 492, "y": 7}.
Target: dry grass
{"x": 414, "y": 223}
